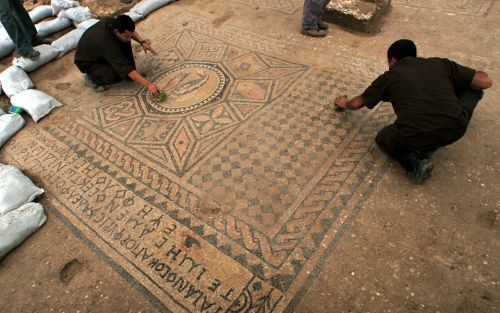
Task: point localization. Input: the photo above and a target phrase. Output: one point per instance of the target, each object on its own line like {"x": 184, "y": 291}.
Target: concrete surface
{"x": 246, "y": 192}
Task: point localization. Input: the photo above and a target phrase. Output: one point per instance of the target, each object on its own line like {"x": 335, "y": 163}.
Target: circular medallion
{"x": 188, "y": 87}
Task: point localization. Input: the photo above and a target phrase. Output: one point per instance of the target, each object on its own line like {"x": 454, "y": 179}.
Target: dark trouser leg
{"x": 312, "y": 13}
{"x": 103, "y": 74}
{"x": 24, "y": 19}
{"x": 391, "y": 142}
{"x": 13, "y": 18}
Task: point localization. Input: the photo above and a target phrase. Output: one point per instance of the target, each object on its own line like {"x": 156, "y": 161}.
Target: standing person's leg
{"x": 310, "y": 18}
{"x": 23, "y": 20}
{"x": 321, "y": 24}
{"x": 13, "y": 29}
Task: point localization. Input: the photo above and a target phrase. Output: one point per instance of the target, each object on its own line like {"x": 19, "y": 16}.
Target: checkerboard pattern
{"x": 263, "y": 168}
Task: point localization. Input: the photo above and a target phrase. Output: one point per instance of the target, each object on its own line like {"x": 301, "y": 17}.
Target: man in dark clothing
{"x": 20, "y": 28}
{"x": 104, "y": 54}
{"x": 433, "y": 100}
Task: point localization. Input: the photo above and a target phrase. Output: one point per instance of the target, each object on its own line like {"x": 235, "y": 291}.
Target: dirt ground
{"x": 393, "y": 246}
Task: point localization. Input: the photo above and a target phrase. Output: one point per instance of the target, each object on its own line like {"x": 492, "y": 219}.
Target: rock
{"x": 361, "y": 15}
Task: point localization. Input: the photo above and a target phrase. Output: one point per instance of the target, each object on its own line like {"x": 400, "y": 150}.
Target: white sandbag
{"x": 35, "y": 102}
{"x": 134, "y": 16}
{"x": 4, "y": 35}
{"x": 147, "y": 6}
{"x": 68, "y": 42}
{"x": 19, "y": 224}
{"x": 40, "y": 12}
{"x": 76, "y": 14}
{"x": 16, "y": 189}
{"x": 6, "y": 47}
{"x": 14, "y": 80}
{"x": 47, "y": 54}
{"x": 1, "y": 113}
{"x": 58, "y": 5}
{"x": 53, "y": 26}
{"x": 86, "y": 24}
{"x": 9, "y": 125}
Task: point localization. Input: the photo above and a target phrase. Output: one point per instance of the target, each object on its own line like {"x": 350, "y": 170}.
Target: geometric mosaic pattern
{"x": 213, "y": 88}
{"x": 283, "y": 6}
{"x": 228, "y": 196}
{"x": 463, "y": 7}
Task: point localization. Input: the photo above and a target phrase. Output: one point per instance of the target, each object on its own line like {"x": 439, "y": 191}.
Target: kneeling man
{"x": 433, "y": 99}
{"x": 104, "y": 54}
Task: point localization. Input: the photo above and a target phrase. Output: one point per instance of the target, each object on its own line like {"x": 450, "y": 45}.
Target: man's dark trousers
{"x": 18, "y": 25}
{"x": 102, "y": 72}
{"x": 390, "y": 140}
{"x": 313, "y": 9}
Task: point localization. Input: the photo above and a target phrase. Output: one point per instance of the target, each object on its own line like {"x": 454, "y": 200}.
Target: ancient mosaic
{"x": 228, "y": 196}
{"x": 465, "y": 7}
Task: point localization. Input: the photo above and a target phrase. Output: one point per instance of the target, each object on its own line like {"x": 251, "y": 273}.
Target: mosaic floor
{"x": 283, "y": 6}
{"x": 227, "y": 197}
{"x": 479, "y": 8}
{"x": 464, "y": 7}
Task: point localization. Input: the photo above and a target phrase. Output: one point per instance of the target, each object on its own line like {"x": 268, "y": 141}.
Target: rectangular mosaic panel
{"x": 229, "y": 196}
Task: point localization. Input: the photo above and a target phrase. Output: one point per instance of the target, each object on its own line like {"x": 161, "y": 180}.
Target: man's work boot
{"x": 322, "y": 25}
{"x": 32, "y": 55}
{"x": 92, "y": 84}
{"x": 314, "y": 32}
{"x": 422, "y": 172}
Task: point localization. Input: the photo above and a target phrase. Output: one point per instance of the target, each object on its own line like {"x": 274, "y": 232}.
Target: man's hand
{"x": 147, "y": 47}
{"x": 341, "y": 101}
{"x": 153, "y": 89}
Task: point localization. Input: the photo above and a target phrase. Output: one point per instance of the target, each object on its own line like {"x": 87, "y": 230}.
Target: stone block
{"x": 361, "y": 15}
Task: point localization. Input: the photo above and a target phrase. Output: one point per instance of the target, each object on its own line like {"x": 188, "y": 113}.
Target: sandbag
{"x": 76, "y": 15}
{"x": 134, "y": 16}
{"x": 53, "y": 26}
{"x": 6, "y": 46}
{"x": 14, "y": 80}
{"x": 1, "y": 112}
{"x": 40, "y": 12}
{"x": 147, "y": 6}
{"x": 86, "y": 24}
{"x": 10, "y": 124}
{"x": 47, "y": 54}
{"x": 19, "y": 224}
{"x": 58, "y": 5}
{"x": 68, "y": 42}
{"x": 16, "y": 189}
{"x": 35, "y": 102}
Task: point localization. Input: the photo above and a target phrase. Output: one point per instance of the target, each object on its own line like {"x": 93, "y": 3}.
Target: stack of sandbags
{"x": 10, "y": 124}
{"x": 47, "y": 54}
{"x": 18, "y": 86}
{"x": 145, "y": 7}
{"x": 40, "y": 12}
{"x": 6, "y": 44}
{"x": 76, "y": 14}
{"x": 19, "y": 218}
{"x": 58, "y": 5}
{"x": 67, "y": 42}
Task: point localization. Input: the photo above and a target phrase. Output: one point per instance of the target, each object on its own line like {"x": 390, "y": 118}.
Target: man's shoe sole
{"x": 311, "y": 34}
